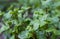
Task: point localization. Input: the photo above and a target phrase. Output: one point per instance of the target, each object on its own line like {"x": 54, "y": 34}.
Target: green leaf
{"x": 35, "y": 24}
{"x": 57, "y": 32}
{"x": 23, "y": 35}
{"x": 12, "y": 37}
{"x": 42, "y": 20}
{"x": 40, "y": 35}
{"x": 4, "y": 28}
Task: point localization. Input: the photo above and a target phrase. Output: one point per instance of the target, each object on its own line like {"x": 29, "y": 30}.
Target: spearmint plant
{"x": 31, "y": 19}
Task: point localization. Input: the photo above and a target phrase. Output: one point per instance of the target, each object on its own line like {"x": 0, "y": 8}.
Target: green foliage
{"x": 35, "y": 19}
